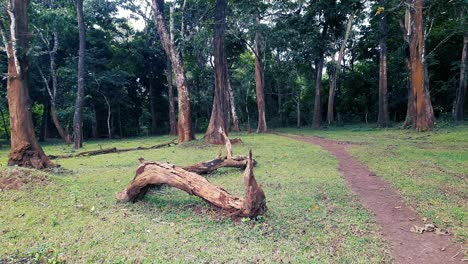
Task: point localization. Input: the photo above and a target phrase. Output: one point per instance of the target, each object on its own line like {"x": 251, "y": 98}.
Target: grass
{"x": 312, "y": 216}
{"x": 430, "y": 169}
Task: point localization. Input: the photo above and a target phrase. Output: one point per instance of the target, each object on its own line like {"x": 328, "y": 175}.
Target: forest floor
{"x": 312, "y": 215}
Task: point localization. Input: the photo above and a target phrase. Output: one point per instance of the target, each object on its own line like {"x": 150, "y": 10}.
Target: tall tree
{"x": 184, "y": 128}
{"x": 25, "y": 150}
{"x": 260, "y": 81}
{"x": 420, "y": 113}
{"x": 78, "y": 116}
{"x": 458, "y": 106}
{"x": 336, "y": 70}
{"x": 383, "y": 117}
{"x": 172, "y": 116}
{"x": 220, "y": 112}
{"x": 318, "y": 81}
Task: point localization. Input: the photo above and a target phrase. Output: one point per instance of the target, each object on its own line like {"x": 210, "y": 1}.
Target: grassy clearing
{"x": 312, "y": 216}
{"x": 430, "y": 170}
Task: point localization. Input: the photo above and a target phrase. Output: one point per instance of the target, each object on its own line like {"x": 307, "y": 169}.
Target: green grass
{"x": 312, "y": 216}
{"x": 430, "y": 169}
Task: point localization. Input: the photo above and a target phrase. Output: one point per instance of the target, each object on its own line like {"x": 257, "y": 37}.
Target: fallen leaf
{"x": 439, "y": 231}
{"x": 424, "y": 219}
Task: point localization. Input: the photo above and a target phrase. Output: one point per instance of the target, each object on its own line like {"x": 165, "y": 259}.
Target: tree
{"x": 260, "y": 81}
{"x": 184, "y": 128}
{"x": 77, "y": 117}
{"x": 420, "y": 114}
{"x": 383, "y": 117}
{"x": 458, "y": 106}
{"x": 336, "y": 67}
{"x": 25, "y": 150}
{"x": 220, "y": 112}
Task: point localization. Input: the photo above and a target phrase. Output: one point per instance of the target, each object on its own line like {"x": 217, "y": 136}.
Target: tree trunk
{"x": 232, "y": 101}
{"x": 25, "y": 151}
{"x": 94, "y": 129}
{"x": 458, "y": 107}
{"x": 77, "y": 117}
{"x": 424, "y": 114}
{"x": 184, "y": 129}
{"x": 220, "y": 112}
{"x": 335, "y": 72}
{"x": 259, "y": 83}
{"x": 5, "y": 127}
{"x": 152, "y": 96}
{"x": 383, "y": 117}
{"x": 155, "y": 174}
{"x": 172, "y": 116}
{"x": 318, "y": 84}
{"x": 44, "y": 121}
{"x": 298, "y": 110}
{"x": 109, "y": 129}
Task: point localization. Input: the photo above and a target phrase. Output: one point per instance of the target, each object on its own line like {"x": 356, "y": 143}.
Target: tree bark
{"x": 383, "y": 117}
{"x": 232, "y": 101}
{"x": 458, "y": 108}
{"x": 259, "y": 82}
{"x": 94, "y": 129}
{"x": 77, "y": 117}
{"x": 155, "y": 174}
{"x": 298, "y": 110}
{"x": 25, "y": 150}
{"x": 335, "y": 72}
{"x": 424, "y": 114}
{"x": 184, "y": 128}
{"x": 220, "y": 112}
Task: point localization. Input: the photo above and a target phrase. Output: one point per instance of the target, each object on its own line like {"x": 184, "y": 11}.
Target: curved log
{"x": 155, "y": 174}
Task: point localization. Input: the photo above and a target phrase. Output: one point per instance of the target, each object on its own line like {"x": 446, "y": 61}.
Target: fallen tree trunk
{"x": 156, "y": 174}
{"x": 227, "y": 161}
{"x": 111, "y": 150}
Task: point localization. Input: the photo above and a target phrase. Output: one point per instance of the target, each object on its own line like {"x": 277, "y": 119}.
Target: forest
{"x": 91, "y": 86}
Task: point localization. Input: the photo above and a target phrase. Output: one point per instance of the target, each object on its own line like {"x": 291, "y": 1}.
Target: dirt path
{"x": 394, "y": 217}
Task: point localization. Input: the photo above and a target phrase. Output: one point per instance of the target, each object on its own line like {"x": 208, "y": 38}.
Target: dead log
{"x": 111, "y": 150}
{"x": 155, "y": 174}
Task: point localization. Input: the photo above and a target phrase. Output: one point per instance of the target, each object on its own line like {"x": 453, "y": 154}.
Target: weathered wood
{"x": 111, "y": 150}
{"x": 154, "y": 174}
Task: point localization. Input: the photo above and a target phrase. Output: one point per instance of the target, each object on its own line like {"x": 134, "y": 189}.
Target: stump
{"x": 155, "y": 174}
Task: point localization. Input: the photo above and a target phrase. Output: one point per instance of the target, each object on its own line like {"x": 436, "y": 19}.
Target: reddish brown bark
{"x": 458, "y": 107}
{"x": 184, "y": 127}
{"x": 335, "y": 72}
{"x": 260, "y": 83}
{"x": 25, "y": 151}
{"x": 423, "y": 116}
{"x": 154, "y": 174}
{"x": 220, "y": 112}
{"x": 172, "y": 116}
{"x": 77, "y": 117}
{"x": 383, "y": 116}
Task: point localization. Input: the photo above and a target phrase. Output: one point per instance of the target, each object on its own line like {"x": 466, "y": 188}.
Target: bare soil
{"x": 394, "y": 217}
{"x": 16, "y": 178}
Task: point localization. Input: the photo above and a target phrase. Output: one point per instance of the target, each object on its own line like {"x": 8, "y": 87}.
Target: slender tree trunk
{"x": 5, "y": 127}
{"x": 77, "y": 117}
{"x": 45, "y": 114}
{"x": 298, "y": 109}
{"x": 109, "y": 129}
{"x": 152, "y": 96}
{"x": 458, "y": 108}
{"x": 424, "y": 114}
{"x": 172, "y": 115}
{"x": 220, "y": 112}
{"x": 232, "y": 101}
{"x": 335, "y": 72}
{"x": 94, "y": 129}
{"x": 318, "y": 84}
{"x": 259, "y": 83}
{"x": 383, "y": 117}
{"x": 25, "y": 151}
{"x": 184, "y": 129}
